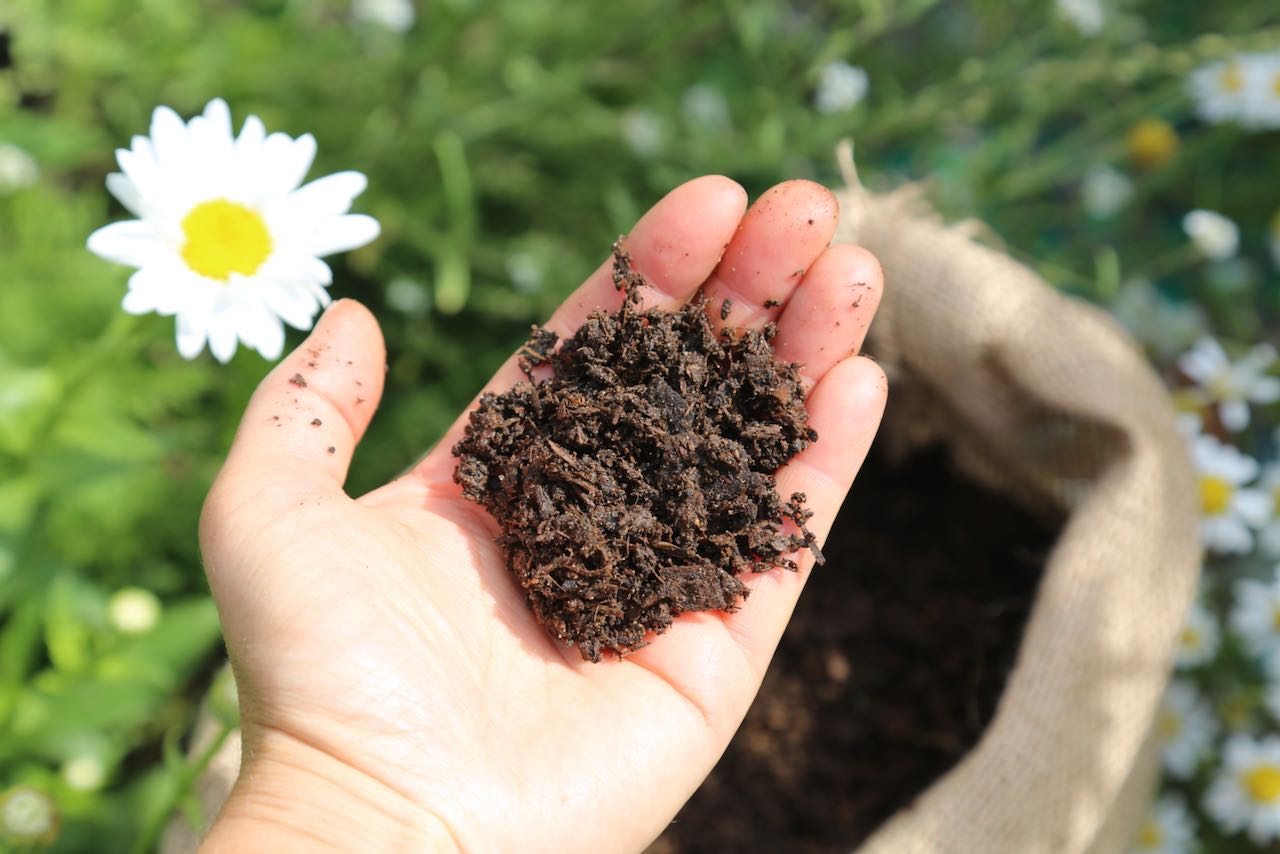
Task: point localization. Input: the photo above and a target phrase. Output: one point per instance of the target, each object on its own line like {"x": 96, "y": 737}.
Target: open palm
{"x": 382, "y": 649}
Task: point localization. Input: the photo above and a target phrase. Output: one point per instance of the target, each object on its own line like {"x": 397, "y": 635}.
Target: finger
{"x": 845, "y": 410}
{"x": 676, "y": 245}
{"x": 716, "y": 660}
{"x": 781, "y": 235}
{"x": 302, "y": 424}
{"x": 829, "y": 314}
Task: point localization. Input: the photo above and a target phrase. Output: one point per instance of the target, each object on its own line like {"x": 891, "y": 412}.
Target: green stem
{"x": 186, "y": 780}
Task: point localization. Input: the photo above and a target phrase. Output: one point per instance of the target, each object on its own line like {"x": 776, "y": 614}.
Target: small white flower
{"x": 17, "y": 168}
{"x": 1166, "y": 829}
{"x": 395, "y": 15}
{"x": 1213, "y": 234}
{"x": 226, "y": 240}
{"x": 1261, "y": 107}
{"x": 1104, "y": 191}
{"x": 1087, "y": 16}
{"x": 1255, "y": 614}
{"x": 643, "y": 132}
{"x": 28, "y": 816}
{"x": 841, "y": 87}
{"x": 1230, "y": 511}
{"x": 133, "y": 611}
{"x": 1198, "y": 642}
{"x": 1219, "y": 90}
{"x": 1232, "y": 385}
{"x": 1185, "y": 728}
{"x": 1165, "y": 326}
{"x": 525, "y": 272}
{"x": 1246, "y": 793}
{"x": 85, "y": 773}
{"x": 704, "y": 106}
{"x": 408, "y": 295}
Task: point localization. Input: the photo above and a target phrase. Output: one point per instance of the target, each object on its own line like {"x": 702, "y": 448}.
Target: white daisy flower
{"x": 1200, "y": 637}
{"x": 1166, "y": 829}
{"x": 841, "y": 87}
{"x": 226, "y": 240}
{"x": 1104, "y": 191}
{"x": 1246, "y": 793}
{"x": 1164, "y": 326}
{"x": 1185, "y": 728}
{"x": 1261, "y": 107}
{"x": 704, "y": 106}
{"x": 394, "y": 15}
{"x": 17, "y": 168}
{"x": 28, "y": 817}
{"x": 84, "y": 773}
{"x": 1213, "y": 234}
{"x": 1232, "y": 385}
{"x": 1230, "y": 511}
{"x": 1219, "y": 90}
{"x": 525, "y": 271}
{"x": 1087, "y": 16}
{"x": 1255, "y": 614}
{"x": 133, "y": 610}
{"x": 643, "y": 132}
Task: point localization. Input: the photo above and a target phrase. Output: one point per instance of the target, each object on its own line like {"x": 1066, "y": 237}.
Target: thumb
{"x": 303, "y": 422}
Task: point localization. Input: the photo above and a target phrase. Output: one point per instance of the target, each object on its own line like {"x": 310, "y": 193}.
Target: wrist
{"x": 294, "y": 797}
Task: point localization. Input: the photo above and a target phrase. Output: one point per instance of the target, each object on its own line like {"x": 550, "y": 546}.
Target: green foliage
{"x": 506, "y": 143}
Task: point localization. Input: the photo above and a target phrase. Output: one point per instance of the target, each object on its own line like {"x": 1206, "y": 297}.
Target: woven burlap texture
{"x": 1045, "y": 397}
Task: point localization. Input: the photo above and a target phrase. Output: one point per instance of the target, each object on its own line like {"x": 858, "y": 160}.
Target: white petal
{"x": 141, "y": 169}
{"x": 191, "y": 330}
{"x": 222, "y": 336}
{"x": 250, "y": 140}
{"x": 169, "y": 137}
{"x": 218, "y": 114}
{"x": 1265, "y": 390}
{"x": 294, "y": 267}
{"x": 1254, "y": 506}
{"x": 1234, "y": 415}
{"x": 293, "y": 304}
{"x": 268, "y": 335}
{"x": 331, "y": 195}
{"x": 120, "y": 186}
{"x": 338, "y": 234}
{"x": 281, "y": 164}
{"x": 132, "y": 242}
{"x": 1226, "y": 534}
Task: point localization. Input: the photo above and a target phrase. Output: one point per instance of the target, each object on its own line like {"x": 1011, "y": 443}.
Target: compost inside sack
{"x": 890, "y": 669}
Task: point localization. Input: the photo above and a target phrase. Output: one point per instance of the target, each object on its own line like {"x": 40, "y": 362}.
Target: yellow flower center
{"x": 1232, "y": 80}
{"x": 1152, "y": 143}
{"x": 1275, "y": 620}
{"x": 1262, "y": 783}
{"x": 1215, "y": 494}
{"x": 1169, "y": 725}
{"x": 1149, "y": 835}
{"x": 1190, "y": 638}
{"x": 224, "y": 237}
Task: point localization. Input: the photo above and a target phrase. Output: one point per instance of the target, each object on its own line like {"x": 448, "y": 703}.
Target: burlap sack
{"x": 1044, "y": 397}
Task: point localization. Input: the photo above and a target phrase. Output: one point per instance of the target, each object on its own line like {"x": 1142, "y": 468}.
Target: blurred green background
{"x": 507, "y": 144}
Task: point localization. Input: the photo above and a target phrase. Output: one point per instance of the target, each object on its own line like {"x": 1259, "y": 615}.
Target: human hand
{"x": 395, "y": 690}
